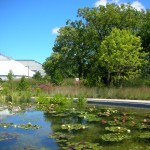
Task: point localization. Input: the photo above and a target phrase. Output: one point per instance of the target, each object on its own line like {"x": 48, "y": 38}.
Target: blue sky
{"x": 28, "y": 28}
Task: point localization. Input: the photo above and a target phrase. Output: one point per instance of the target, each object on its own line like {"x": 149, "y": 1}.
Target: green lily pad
{"x": 61, "y": 137}
{"x": 28, "y": 126}
{"x": 90, "y": 117}
{"x": 144, "y": 135}
{"x": 117, "y": 129}
{"x": 7, "y": 136}
{"x": 5, "y": 125}
{"x": 83, "y": 146}
{"x": 113, "y": 123}
{"x": 114, "y": 137}
{"x": 73, "y": 127}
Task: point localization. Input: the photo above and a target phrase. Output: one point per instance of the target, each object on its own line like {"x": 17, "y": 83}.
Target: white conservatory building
{"x": 18, "y": 69}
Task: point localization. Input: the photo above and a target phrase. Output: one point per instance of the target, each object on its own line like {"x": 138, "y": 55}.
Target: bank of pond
{"x": 55, "y": 127}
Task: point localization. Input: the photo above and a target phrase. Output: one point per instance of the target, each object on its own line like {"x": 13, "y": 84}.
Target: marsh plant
{"x": 81, "y": 102}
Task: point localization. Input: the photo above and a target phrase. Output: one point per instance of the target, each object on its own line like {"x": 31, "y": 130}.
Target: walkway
{"x": 120, "y": 102}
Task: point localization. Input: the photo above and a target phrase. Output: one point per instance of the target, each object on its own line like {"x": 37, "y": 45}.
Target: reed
{"x": 142, "y": 93}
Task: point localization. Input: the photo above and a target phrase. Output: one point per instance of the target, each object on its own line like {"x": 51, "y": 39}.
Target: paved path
{"x": 120, "y": 102}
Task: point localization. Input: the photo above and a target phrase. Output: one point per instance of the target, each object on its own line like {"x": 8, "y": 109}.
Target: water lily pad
{"x": 116, "y": 129}
{"x": 73, "y": 127}
{"x": 5, "y": 125}
{"x": 114, "y": 137}
{"x": 90, "y": 117}
{"x": 7, "y": 136}
{"x": 61, "y": 137}
{"x": 144, "y": 135}
{"x": 28, "y": 126}
{"x": 83, "y": 146}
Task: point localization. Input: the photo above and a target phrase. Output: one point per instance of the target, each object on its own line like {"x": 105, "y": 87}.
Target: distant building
{"x": 33, "y": 65}
{"x": 19, "y": 68}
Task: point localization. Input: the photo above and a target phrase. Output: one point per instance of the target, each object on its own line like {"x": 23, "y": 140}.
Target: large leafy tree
{"x": 120, "y": 53}
{"x": 145, "y": 38}
{"x": 79, "y": 42}
{"x": 72, "y": 43}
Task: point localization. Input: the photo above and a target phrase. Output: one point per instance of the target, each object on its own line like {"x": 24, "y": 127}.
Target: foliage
{"x": 81, "y": 50}
{"x": 81, "y": 102}
{"x": 83, "y": 145}
{"x": 114, "y": 137}
{"x": 73, "y": 127}
{"x": 37, "y": 76}
{"x": 145, "y": 135}
{"x": 23, "y": 84}
{"x": 23, "y": 126}
{"x": 10, "y": 75}
{"x": 120, "y": 53}
{"x": 116, "y": 129}
{"x": 56, "y": 99}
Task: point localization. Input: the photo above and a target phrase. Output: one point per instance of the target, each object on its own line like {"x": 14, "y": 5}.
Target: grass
{"x": 137, "y": 93}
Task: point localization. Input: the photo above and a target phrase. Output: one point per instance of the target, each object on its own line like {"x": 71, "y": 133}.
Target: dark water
{"x": 13, "y": 138}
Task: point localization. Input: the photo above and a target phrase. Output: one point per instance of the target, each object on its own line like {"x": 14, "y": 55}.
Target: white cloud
{"x": 100, "y": 2}
{"x": 138, "y": 5}
{"x": 55, "y": 30}
{"x": 104, "y": 2}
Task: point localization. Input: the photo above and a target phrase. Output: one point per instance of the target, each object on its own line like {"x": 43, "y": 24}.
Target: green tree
{"x": 120, "y": 53}
{"x": 37, "y": 76}
{"x": 10, "y": 75}
{"x": 72, "y": 44}
{"x": 23, "y": 84}
{"x": 78, "y": 43}
{"x": 52, "y": 67}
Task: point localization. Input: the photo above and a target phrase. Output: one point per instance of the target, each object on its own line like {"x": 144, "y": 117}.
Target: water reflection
{"x": 35, "y": 139}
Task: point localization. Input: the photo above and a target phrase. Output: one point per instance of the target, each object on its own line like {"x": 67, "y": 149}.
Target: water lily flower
{"x": 15, "y": 126}
{"x": 83, "y": 127}
{"x": 62, "y": 125}
{"x": 119, "y": 128}
{"x": 128, "y": 131}
{"x": 29, "y": 123}
{"x": 5, "y": 126}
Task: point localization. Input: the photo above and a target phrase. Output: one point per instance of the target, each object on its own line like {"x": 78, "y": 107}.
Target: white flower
{"x": 119, "y": 128}
{"x": 128, "y": 131}
{"x": 15, "y": 126}
{"x": 29, "y": 123}
{"x": 83, "y": 127}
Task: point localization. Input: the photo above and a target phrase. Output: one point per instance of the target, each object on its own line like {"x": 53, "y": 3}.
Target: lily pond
{"x": 42, "y": 127}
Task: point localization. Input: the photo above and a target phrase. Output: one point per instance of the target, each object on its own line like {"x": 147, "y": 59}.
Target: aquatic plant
{"x": 82, "y": 146}
{"x": 28, "y": 126}
{"x": 90, "y": 117}
{"x": 81, "y": 102}
{"x": 61, "y": 137}
{"x": 117, "y": 129}
{"x": 8, "y": 136}
{"x": 144, "y": 135}
{"x": 73, "y": 127}
{"x": 23, "y": 126}
{"x": 5, "y": 125}
{"x": 114, "y": 137}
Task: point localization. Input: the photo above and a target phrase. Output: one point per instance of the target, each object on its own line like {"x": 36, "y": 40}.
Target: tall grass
{"x": 142, "y": 93}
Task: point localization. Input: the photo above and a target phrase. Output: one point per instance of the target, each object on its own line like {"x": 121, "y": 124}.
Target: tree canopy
{"x": 103, "y": 43}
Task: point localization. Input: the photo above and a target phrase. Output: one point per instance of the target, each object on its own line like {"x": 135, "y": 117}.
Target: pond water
{"x": 102, "y": 127}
